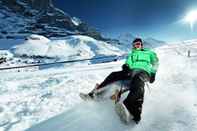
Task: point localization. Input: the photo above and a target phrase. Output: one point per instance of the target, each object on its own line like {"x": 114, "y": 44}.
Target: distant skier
{"x": 140, "y": 67}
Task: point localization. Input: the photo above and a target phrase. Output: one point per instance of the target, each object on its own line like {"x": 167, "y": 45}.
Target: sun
{"x": 191, "y": 18}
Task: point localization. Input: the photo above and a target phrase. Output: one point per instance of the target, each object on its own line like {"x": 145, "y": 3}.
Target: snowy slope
{"x": 29, "y": 98}
{"x": 12, "y": 61}
{"x": 72, "y": 47}
{"x": 171, "y": 104}
{"x": 37, "y": 49}
{"x": 86, "y": 116}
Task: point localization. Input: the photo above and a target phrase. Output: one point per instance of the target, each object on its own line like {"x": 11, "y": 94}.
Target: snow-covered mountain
{"x": 127, "y": 38}
{"x": 21, "y": 18}
{"x": 37, "y": 49}
{"x": 153, "y": 43}
{"x": 72, "y": 47}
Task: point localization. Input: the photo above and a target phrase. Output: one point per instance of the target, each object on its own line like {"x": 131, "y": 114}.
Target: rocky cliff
{"x": 22, "y": 17}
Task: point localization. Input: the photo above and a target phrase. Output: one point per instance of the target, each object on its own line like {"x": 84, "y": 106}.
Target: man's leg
{"x": 135, "y": 98}
{"x": 114, "y": 76}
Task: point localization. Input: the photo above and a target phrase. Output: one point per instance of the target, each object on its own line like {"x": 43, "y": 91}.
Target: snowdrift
{"x": 87, "y": 116}
{"x": 95, "y": 115}
{"x": 35, "y": 45}
{"x": 73, "y": 47}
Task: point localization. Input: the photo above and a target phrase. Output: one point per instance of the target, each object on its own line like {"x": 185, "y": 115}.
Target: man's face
{"x": 138, "y": 45}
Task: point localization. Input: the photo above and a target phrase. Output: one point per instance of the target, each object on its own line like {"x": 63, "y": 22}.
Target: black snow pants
{"x": 135, "y": 98}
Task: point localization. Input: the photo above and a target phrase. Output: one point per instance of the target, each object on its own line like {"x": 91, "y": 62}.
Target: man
{"x": 140, "y": 67}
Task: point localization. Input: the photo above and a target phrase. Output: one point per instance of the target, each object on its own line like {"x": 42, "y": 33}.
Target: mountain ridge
{"x": 40, "y": 17}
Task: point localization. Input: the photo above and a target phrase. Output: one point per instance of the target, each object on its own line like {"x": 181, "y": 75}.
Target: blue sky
{"x": 160, "y": 19}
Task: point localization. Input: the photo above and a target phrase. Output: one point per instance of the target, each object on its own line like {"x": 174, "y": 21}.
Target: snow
{"x": 11, "y": 22}
{"x": 72, "y": 47}
{"x": 35, "y": 45}
{"x": 86, "y": 122}
{"x": 6, "y": 54}
{"x": 36, "y": 101}
{"x": 48, "y": 99}
{"x": 76, "y": 21}
{"x": 171, "y": 104}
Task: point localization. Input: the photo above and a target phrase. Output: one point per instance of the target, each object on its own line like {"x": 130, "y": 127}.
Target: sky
{"x": 161, "y": 19}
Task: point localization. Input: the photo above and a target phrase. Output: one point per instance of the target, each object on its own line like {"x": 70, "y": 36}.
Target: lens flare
{"x": 191, "y": 18}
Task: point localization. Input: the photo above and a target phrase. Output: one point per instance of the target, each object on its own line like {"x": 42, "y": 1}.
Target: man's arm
{"x": 154, "y": 62}
{"x": 129, "y": 59}
{"x": 155, "y": 65}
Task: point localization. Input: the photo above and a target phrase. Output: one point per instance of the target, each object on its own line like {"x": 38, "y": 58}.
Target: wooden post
{"x": 188, "y": 53}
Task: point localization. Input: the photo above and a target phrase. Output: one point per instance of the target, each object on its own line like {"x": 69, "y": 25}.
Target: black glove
{"x": 152, "y": 77}
{"x": 125, "y": 68}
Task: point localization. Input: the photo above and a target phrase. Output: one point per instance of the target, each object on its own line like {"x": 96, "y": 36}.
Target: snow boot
{"x": 136, "y": 120}
{"x": 91, "y": 95}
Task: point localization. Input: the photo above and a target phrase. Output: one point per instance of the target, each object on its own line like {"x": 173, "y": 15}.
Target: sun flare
{"x": 191, "y": 18}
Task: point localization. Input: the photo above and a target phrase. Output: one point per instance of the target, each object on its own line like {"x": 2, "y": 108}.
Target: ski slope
{"x": 45, "y": 100}
{"x": 86, "y": 116}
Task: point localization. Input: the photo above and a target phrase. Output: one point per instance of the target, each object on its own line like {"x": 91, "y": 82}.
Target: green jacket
{"x": 144, "y": 59}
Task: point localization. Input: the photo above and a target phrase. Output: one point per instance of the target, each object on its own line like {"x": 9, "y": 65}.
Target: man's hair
{"x": 137, "y": 40}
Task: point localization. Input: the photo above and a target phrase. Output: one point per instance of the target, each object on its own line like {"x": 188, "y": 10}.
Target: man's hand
{"x": 125, "y": 68}
{"x": 152, "y": 77}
